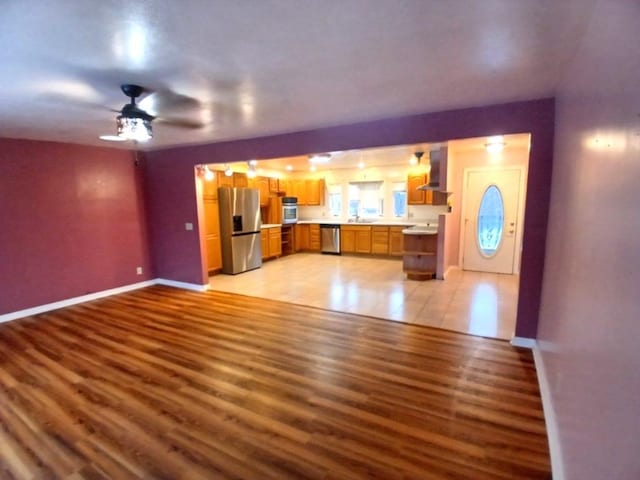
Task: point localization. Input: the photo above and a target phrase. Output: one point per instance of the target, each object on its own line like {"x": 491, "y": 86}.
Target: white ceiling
{"x": 272, "y": 66}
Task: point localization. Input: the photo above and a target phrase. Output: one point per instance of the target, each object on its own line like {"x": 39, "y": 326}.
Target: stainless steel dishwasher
{"x": 330, "y": 238}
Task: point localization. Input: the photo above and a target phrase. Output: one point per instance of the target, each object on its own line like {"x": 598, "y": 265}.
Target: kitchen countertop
{"x": 421, "y": 230}
{"x": 270, "y": 225}
{"x": 380, "y": 223}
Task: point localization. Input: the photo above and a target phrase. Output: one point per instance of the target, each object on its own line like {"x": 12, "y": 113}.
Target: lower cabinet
{"x": 314, "y": 237}
{"x": 307, "y": 237}
{"x": 395, "y": 241}
{"x": 271, "y": 239}
{"x": 380, "y": 240}
{"x": 355, "y": 239}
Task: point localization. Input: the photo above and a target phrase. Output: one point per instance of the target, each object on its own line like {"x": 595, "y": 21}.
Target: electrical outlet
{"x": 188, "y": 226}
{"x": 139, "y": 270}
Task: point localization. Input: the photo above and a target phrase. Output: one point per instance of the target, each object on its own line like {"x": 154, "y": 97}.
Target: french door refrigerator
{"x": 240, "y": 229}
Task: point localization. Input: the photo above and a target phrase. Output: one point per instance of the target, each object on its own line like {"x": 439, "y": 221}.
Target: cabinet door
{"x": 240, "y": 180}
{"x": 264, "y": 240}
{"x": 347, "y": 240}
{"x": 212, "y": 234}
{"x": 314, "y": 237}
{"x": 363, "y": 240}
{"x": 314, "y": 190}
{"x": 210, "y": 187}
{"x": 275, "y": 242}
{"x": 414, "y": 196}
{"x": 395, "y": 241}
{"x": 380, "y": 240}
{"x": 299, "y": 187}
{"x": 262, "y": 184}
{"x": 225, "y": 181}
{"x": 302, "y": 237}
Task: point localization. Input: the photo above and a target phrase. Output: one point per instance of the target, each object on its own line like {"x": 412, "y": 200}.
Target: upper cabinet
{"x": 314, "y": 191}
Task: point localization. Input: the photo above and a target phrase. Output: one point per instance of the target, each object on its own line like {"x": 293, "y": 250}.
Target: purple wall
{"x": 176, "y": 252}
{"x": 589, "y": 332}
{"x": 72, "y": 222}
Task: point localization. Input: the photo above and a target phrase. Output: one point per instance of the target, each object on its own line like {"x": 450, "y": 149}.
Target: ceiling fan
{"x": 134, "y": 123}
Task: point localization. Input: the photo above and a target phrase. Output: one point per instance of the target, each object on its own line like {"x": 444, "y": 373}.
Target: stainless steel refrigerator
{"x": 240, "y": 229}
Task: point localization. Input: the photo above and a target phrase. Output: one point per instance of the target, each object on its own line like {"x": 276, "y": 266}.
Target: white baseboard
{"x": 94, "y": 296}
{"x": 557, "y": 467}
{"x": 523, "y": 342}
{"x": 184, "y": 285}
{"x": 73, "y": 301}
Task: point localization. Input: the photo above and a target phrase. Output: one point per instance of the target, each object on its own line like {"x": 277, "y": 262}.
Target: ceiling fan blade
{"x": 180, "y": 122}
{"x": 164, "y": 101}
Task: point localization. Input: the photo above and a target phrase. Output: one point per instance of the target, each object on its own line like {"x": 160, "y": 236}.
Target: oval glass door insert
{"x": 490, "y": 221}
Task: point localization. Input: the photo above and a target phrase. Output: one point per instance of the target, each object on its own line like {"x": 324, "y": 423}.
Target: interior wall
{"x": 171, "y": 184}
{"x": 73, "y": 222}
{"x": 590, "y": 315}
{"x": 460, "y": 159}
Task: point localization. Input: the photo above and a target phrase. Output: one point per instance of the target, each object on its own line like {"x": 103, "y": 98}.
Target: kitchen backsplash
{"x": 414, "y": 213}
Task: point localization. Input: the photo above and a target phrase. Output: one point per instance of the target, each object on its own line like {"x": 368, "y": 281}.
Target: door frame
{"x": 517, "y": 255}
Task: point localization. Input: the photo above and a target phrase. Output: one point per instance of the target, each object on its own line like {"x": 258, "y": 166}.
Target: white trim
{"x": 73, "y": 301}
{"x": 184, "y": 285}
{"x": 7, "y": 317}
{"x": 523, "y": 342}
{"x": 555, "y": 451}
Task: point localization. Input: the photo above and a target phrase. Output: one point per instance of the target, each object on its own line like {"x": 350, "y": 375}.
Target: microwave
{"x": 289, "y": 209}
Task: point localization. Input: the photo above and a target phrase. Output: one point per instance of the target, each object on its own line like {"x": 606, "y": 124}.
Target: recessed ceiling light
{"x": 413, "y": 160}
{"x": 312, "y": 168}
{"x": 320, "y": 158}
{"x": 361, "y": 165}
{"x": 253, "y": 162}
{"x": 495, "y": 144}
{"x": 289, "y": 168}
{"x": 112, "y": 138}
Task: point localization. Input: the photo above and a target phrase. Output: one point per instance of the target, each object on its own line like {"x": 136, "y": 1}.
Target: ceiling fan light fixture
{"x": 227, "y": 171}
{"x": 134, "y": 128}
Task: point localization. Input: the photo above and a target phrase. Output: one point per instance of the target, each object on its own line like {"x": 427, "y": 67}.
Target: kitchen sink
{"x": 362, "y": 220}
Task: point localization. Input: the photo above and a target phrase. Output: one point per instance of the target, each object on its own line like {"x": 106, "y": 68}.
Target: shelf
{"x": 426, "y": 254}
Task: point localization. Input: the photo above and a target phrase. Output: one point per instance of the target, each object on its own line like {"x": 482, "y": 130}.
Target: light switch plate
{"x": 188, "y": 226}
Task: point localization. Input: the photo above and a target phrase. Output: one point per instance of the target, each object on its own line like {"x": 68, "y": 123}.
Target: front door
{"x": 491, "y": 219}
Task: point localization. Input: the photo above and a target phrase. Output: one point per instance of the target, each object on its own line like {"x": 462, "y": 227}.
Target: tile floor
{"x": 469, "y": 302}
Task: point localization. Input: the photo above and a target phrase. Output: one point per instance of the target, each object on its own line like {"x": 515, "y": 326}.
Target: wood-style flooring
{"x": 164, "y": 383}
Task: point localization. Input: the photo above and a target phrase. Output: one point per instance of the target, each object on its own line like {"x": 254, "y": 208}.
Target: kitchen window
{"x": 366, "y": 199}
{"x": 399, "y": 195}
{"x": 335, "y": 200}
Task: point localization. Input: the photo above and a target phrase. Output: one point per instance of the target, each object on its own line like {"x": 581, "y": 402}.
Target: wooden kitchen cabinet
{"x": 298, "y": 187}
{"x": 262, "y": 184}
{"x": 415, "y": 196}
{"x": 355, "y": 239}
{"x": 314, "y": 237}
{"x": 396, "y": 241}
{"x": 224, "y": 181}
{"x": 380, "y": 240}
{"x": 210, "y": 187}
{"x": 240, "y": 180}
{"x": 314, "y": 190}
{"x": 264, "y": 241}
{"x": 212, "y": 234}
{"x": 274, "y": 185}
{"x": 271, "y": 241}
{"x": 275, "y": 242}
{"x": 302, "y": 237}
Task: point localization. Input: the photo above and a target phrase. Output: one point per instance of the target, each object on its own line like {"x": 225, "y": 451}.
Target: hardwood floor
{"x": 164, "y": 383}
